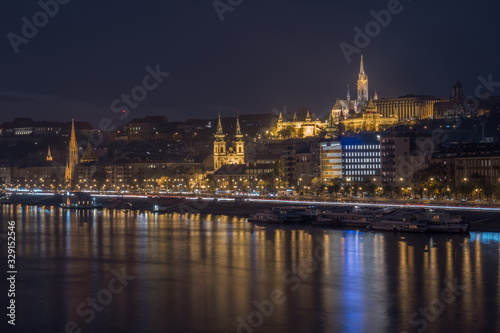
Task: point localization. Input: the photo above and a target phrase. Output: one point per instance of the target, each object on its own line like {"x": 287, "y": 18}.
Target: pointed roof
{"x": 372, "y": 108}
{"x": 295, "y": 117}
{"x": 219, "y": 134}
{"x": 308, "y": 116}
{"x": 89, "y": 155}
{"x": 348, "y": 93}
{"x": 238, "y": 134}
{"x": 375, "y": 97}
{"x": 72, "y": 142}
{"x": 49, "y": 156}
{"x": 362, "y": 67}
{"x": 331, "y": 130}
{"x": 281, "y": 116}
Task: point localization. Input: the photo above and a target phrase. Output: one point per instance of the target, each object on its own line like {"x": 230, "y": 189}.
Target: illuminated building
{"x": 222, "y": 155}
{"x": 361, "y": 158}
{"x": 299, "y": 128}
{"x": 345, "y": 108}
{"x": 369, "y": 120}
{"x": 407, "y": 108}
{"x": 331, "y": 161}
{"x": 49, "y": 156}
{"x": 73, "y": 156}
{"x": 89, "y": 155}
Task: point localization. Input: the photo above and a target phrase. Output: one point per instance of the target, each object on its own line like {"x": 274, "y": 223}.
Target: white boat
{"x": 395, "y": 225}
{"x": 267, "y": 217}
{"x": 296, "y": 213}
{"x": 444, "y": 222}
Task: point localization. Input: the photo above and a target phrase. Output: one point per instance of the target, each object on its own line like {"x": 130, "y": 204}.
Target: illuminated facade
{"x": 300, "y": 128}
{"x": 49, "y": 156}
{"x": 89, "y": 155}
{"x": 361, "y": 158}
{"x": 369, "y": 120}
{"x": 346, "y": 108}
{"x": 407, "y": 108}
{"x": 222, "y": 155}
{"x": 73, "y": 156}
{"x": 331, "y": 161}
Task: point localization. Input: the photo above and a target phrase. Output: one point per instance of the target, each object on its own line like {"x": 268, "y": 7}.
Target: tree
{"x": 316, "y": 185}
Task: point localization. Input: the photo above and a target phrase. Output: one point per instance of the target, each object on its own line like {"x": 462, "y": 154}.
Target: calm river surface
{"x": 107, "y": 271}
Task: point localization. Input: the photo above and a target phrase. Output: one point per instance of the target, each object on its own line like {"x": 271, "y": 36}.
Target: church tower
{"x": 362, "y": 85}
{"x": 331, "y": 129}
{"x": 73, "y": 155}
{"x": 239, "y": 144}
{"x": 49, "y": 156}
{"x": 219, "y": 146}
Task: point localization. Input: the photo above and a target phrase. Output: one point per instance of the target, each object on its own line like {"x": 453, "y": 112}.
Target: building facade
{"x": 361, "y": 158}
{"x": 407, "y": 108}
{"x": 403, "y": 154}
{"x": 234, "y": 155}
{"x": 308, "y": 127}
{"x": 331, "y": 161}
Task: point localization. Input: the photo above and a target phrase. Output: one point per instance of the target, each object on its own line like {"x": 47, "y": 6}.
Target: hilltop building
{"x": 300, "y": 128}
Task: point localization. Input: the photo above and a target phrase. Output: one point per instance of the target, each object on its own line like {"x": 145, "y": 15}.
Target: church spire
{"x": 49, "y": 156}
{"x": 348, "y": 93}
{"x": 308, "y": 116}
{"x": 73, "y": 155}
{"x": 362, "y": 67}
{"x": 72, "y": 142}
{"x": 219, "y": 135}
{"x": 238, "y": 134}
{"x": 331, "y": 130}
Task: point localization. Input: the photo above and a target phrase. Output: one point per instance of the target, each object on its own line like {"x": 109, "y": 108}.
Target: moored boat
{"x": 394, "y": 225}
{"x": 267, "y": 217}
{"x": 444, "y": 222}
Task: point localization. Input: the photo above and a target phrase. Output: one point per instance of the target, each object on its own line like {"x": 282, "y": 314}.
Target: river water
{"x": 108, "y": 271}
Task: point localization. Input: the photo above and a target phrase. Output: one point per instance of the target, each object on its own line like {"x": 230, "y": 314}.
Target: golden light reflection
{"x": 209, "y": 270}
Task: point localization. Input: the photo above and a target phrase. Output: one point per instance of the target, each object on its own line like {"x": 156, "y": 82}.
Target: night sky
{"x": 264, "y": 55}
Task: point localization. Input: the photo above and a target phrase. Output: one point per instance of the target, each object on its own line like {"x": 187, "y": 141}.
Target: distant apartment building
{"x": 469, "y": 162}
{"x": 361, "y": 158}
{"x": 301, "y": 161}
{"x": 402, "y": 154}
{"x": 147, "y": 128}
{"x": 331, "y": 161}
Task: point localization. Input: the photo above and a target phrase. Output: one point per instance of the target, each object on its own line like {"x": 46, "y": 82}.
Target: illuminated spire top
{"x": 308, "y": 116}
{"x": 219, "y": 134}
{"x": 362, "y": 67}
{"x": 72, "y": 142}
{"x": 348, "y": 93}
{"x": 238, "y": 134}
{"x": 49, "y": 156}
{"x": 219, "y": 126}
{"x": 281, "y": 116}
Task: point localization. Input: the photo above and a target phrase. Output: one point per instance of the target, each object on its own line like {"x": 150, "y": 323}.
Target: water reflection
{"x": 201, "y": 273}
